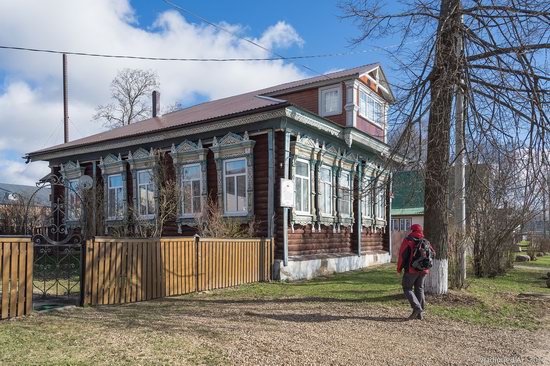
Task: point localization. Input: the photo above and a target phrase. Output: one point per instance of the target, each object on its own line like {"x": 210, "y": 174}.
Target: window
{"x": 146, "y": 193}
{"x": 73, "y": 201}
{"x": 381, "y": 203}
{"x": 367, "y": 198}
{"x": 370, "y": 108}
{"x": 301, "y": 187}
{"x": 191, "y": 189}
{"x": 395, "y": 224}
{"x": 325, "y": 191}
{"x": 330, "y": 101}
{"x": 235, "y": 186}
{"x": 115, "y": 199}
{"x": 344, "y": 190}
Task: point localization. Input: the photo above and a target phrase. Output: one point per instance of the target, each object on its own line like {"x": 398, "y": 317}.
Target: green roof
{"x": 408, "y": 193}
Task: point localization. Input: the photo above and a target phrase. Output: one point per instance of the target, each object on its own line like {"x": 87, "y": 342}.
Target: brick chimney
{"x": 156, "y": 103}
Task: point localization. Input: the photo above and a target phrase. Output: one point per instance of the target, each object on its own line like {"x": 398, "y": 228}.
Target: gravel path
{"x": 291, "y": 332}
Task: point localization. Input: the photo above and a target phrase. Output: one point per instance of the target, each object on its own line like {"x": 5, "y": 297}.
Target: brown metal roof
{"x": 234, "y": 105}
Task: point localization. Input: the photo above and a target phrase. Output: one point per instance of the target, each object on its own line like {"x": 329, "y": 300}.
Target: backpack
{"x": 422, "y": 254}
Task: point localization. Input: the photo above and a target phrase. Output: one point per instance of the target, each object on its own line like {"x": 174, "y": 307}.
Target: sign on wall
{"x": 287, "y": 192}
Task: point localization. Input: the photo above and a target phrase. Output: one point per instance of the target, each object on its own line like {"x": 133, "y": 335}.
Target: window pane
{"x": 196, "y": 204}
{"x": 302, "y": 169}
{"x": 305, "y": 193}
{"x": 196, "y": 188}
{"x": 150, "y": 200}
{"x": 187, "y": 197}
{"x": 230, "y": 195}
{"x": 363, "y": 103}
{"x": 241, "y": 193}
{"x": 111, "y": 203}
{"x": 115, "y": 181}
{"x": 325, "y": 174}
{"x": 144, "y": 177}
{"x": 143, "y": 200}
{"x": 235, "y": 167}
{"x": 191, "y": 172}
{"x": 331, "y": 101}
{"x": 298, "y": 194}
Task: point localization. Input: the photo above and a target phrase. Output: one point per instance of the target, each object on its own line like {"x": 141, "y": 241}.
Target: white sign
{"x": 287, "y": 192}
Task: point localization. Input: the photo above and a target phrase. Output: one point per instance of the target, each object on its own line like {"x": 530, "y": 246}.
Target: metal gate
{"x": 58, "y": 244}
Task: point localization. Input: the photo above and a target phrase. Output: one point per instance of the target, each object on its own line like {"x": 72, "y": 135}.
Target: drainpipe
{"x": 285, "y": 210}
{"x": 271, "y": 183}
{"x": 388, "y": 211}
{"x": 359, "y": 206}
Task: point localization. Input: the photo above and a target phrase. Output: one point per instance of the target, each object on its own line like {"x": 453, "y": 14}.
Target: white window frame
{"x": 366, "y": 110}
{"x": 109, "y": 217}
{"x": 322, "y": 104}
{"x": 348, "y": 193}
{"x": 183, "y": 180}
{"x": 138, "y": 185}
{"x": 308, "y": 178}
{"x": 324, "y": 200}
{"x": 380, "y": 203}
{"x": 224, "y": 197}
{"x": 366, "y": 199}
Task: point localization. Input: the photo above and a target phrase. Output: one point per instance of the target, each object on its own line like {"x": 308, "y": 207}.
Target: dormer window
{"x": 330, "y": 100}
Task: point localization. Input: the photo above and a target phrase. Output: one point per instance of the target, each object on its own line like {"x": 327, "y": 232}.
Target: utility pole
{"x": 65, "y": 102}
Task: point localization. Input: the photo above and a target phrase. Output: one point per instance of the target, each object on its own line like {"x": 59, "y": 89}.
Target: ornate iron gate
{"x": 58, "y": 244}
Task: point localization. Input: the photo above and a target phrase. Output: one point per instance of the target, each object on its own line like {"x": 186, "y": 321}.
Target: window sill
{"x": 235, "y": 214}
{"x": 331, "y": 114}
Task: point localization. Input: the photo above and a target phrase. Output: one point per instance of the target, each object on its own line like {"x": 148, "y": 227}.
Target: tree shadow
{"x": 322, "y": 318}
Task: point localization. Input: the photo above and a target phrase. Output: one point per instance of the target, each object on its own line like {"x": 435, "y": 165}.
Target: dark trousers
{"x": 416, "y": 297}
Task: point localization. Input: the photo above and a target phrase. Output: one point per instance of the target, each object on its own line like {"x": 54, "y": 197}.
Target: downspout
{"x": 388, "y": 210}
{"x": 285, "y": 210}
{"x": 271, "y": 183}
{"x": 359, "y": 207}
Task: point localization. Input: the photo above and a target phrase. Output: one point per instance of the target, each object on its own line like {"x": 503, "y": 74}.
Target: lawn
{"x": 351, "y": 318}
{"x": 543, "y": 262}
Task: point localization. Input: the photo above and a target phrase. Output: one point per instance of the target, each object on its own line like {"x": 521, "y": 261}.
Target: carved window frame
{"x": 306, "y": 149}
{"x": 184, "y": 154}
{"x": 114, "y": 165}
{"x": 71, "y": 172}
{"x": 141, "y": 160}
{"x": 233, "y": 146}
{"x": 368, "y": 183}
{"x": 329, "y": 157}
{"x": 348, "y": 163}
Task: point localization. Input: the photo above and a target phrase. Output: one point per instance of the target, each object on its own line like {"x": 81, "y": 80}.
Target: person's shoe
{"x": 415, "y": 314}
{"x": 420, "y": 316}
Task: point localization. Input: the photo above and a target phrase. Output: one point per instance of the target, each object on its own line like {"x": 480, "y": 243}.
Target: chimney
{"x": 156, "y": 103}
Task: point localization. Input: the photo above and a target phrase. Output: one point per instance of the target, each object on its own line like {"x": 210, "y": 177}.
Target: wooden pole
{"x": 65, "y": 102}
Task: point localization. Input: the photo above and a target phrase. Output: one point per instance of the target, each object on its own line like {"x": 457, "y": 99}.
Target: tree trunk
{"x": 444, "y": 79}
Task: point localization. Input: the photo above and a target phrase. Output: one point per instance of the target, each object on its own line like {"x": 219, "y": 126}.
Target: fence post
{"x": 197, "y": 238}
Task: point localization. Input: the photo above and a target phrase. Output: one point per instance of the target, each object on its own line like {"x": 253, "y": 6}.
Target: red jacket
{"x": 405, "y": 254}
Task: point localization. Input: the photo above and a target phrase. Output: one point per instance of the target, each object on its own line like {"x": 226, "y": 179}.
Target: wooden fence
{"x": 16, "y": 264}
{"x": 121, "y": 271}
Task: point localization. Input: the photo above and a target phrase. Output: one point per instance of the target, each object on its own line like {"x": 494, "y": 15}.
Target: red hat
{"x": 416, "y": 227}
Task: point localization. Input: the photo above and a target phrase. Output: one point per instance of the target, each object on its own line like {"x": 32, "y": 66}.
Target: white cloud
{"x": 30, "y": 100}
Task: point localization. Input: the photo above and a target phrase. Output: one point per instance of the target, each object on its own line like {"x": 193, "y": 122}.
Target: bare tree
{"x": 494, "y": 52}
{"x": 130, "y": 91}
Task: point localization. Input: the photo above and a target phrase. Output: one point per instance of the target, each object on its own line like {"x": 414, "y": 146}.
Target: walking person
{"x": 415, "y": 260}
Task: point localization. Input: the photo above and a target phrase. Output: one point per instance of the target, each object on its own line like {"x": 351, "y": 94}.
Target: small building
{"x": 324, "y": 136}
{"x": 18, "y": 201}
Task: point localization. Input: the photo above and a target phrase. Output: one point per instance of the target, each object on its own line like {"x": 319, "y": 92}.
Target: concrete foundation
{"x": 303, "y": 268}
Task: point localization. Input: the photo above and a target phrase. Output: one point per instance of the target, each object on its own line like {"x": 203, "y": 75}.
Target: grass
{"x": 539, "y": 262}
{"x": 485, "y": 301}
{"x": 175, "y": 330}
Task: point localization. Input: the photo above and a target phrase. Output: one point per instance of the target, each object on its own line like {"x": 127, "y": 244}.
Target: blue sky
{"x": 30, "y": 83}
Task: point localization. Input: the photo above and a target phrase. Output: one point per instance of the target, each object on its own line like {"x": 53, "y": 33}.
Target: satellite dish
{"x": 85, "y": 182}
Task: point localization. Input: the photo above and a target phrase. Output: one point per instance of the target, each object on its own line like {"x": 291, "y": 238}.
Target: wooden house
{"x": 326, "y": 135}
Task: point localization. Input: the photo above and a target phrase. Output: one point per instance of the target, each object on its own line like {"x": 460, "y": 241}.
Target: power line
{"x": 185, "y": 59}
{"x": 179, "y": 8}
